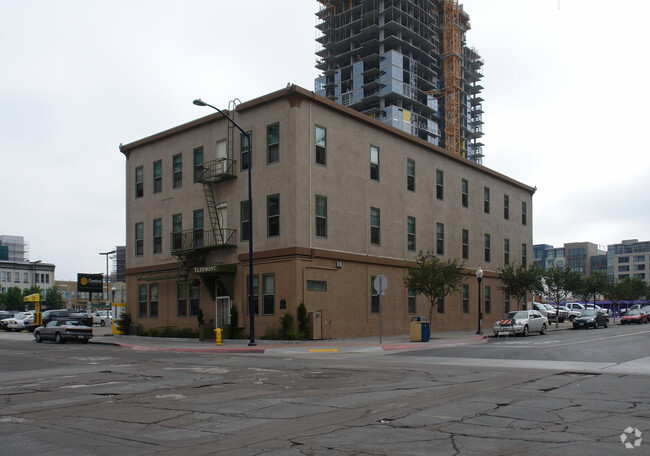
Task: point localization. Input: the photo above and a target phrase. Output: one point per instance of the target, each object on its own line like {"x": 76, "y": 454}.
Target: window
{"x": 506, "y": 207}
{"x": 411, "y": 302}
{"x": 639, "y": 258}
{"x": 177, "y": 171}
{"x": 487, "y": 291}
{"x": 197, "y": 227}
{"x": 486, "y": 242}
{"x": 465, "y": 192}
{"x": 440, "y": 239}
{"x": 256, "y": 294}
{"x": 374, "y": 163}
{"x": 157, "y": 236}
{"x": 273, "y": 215}
{"x": 321, "y": 145}
{"x": 374, "y": 226}
{"x": 466, "y": 299}
{"x": 506, "y": 298}
{"x": 244, "y": 221}
{"x": 465, "y": 242}
{"x": 181, "y": 300}
{"x": 153, "y": 300}
{"x": 374, "y": 300}
{"x": 139, "y": 239}
{"x": 624, "y": 259}
{"x": 268, "y": 294}
{"x": 198, "y": 163}
{"x": 321, "y": 216}
{"x": 410, "y": 228}
{"x": 524, "y": 254}
{"x": 623, "y": 268}
{"x": 506, "y": 251}
{"x": 25, "y": 277}
{"x": 524, "y": 211}
{"x": 410, "y": 175}
{"x": 195, "y": 292}
{"x": 273, "y": 143}
{"x": 142, "y": 301}
{"x": 157, "y": 176}
{"x": 139, "y": 182}
{"x": 441, "y": 304}
{"x": 486, "y": 200}
{"x": 177, "y": 228}
{"x": 316, "y": 285}
{"x": 439, "y": 184}
{"x": 244, "y": 151}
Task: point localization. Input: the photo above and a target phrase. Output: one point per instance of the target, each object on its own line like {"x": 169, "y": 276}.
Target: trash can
{"x": 419, "y": 329}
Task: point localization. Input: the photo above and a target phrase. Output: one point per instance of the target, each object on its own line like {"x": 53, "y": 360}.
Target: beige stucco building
{"x": 338, "y": 198}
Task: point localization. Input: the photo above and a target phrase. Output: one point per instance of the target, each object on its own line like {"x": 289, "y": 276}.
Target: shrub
{"x": 303, "y": 322}
{"x": 123, "y": 324}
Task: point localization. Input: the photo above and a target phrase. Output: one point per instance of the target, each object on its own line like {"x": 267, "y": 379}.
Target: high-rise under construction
{"x": 406, "y": 63}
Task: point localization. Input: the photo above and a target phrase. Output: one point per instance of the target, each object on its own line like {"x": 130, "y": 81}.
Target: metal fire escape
{"x": 190, "y": 246}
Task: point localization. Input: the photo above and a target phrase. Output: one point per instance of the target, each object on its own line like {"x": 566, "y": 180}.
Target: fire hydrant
{"x": 217, "y": 333}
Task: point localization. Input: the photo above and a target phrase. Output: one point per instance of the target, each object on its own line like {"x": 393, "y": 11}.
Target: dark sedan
{"x": 590, "y": 318}
{"x": 61, "y": 331}
{"x": 634, "y": 316}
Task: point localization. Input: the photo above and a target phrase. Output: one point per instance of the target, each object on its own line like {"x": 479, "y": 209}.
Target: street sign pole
{"x": 380, "y": 284}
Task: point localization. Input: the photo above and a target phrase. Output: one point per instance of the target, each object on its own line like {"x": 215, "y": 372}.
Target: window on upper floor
{"x": 440, "y": 238}
{"x": 410, "y": 229}
{"x": 139, "y": 182}
{"x": 524, "y": 213}
{"x": 321, "y": 145}
{"x": 273, "y": 215}
{"x": 440, "y": 184}
{"x": 410, "y": 175}
{"x": 157, "y": 236}
{"x": 157, "y": 176}
{"x": 375, "y": 234}
{"x": 465, "y": 244}
{"x": 244, "y": 150}
{"x": 177, "y": 172}
{"x": 374, "y": 163}
{"x": 321, "y": 216}
{"x": 486, "y": 247}
{"x": 273, "y": 143}
{"x": 139, "y": 239}
{"x": 198, "y": 163}
{"x": 465, "y": 192}
{"x": 506, "y": 207}
{"x": 244, "y": 221}
{"x": 486, "y": 200}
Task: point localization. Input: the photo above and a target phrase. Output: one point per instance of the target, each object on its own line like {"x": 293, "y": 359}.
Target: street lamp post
{"x": 479, "y": 277}
{"x": 251, "y": 307}
{"x": 107, "y": 254}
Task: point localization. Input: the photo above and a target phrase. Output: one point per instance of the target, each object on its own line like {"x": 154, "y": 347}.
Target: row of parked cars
{"x": 25, "y": 320}
{"x": 524, "y": 322}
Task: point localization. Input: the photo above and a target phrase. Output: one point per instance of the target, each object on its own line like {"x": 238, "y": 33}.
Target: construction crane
{"x": 451, "y": 60}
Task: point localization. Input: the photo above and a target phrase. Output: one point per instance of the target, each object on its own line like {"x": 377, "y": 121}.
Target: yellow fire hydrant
{"x": 217, "y": 333}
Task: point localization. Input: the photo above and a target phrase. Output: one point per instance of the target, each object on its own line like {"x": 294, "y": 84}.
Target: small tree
{"x": 558, "y": 283}
{"x": 53, "y": 298}
{"x": 13, "y": 299}
{"x": 519, "y": 280}
{"x": 303, "y": 322}
{"x": 434, "y": 278}
{"x": 590, "y": 286}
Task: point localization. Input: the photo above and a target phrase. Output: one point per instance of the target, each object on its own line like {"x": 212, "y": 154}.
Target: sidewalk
{"x": 360, "y": 344}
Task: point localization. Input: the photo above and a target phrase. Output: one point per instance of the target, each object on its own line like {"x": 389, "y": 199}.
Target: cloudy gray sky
{"x": 565, "y": 100}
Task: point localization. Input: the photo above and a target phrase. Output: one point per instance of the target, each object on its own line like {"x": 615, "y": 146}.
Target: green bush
{"x": 123, "y": 324}
{"x": 303, "y": 322}
{"x": 168, "y": 331}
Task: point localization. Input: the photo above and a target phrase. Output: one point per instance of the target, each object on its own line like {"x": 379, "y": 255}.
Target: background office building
{"x": 338, "y": 199}
{"x": 629, "y": 259}
{"x": 405, "y": 62}
{"x": 17, "y": 271}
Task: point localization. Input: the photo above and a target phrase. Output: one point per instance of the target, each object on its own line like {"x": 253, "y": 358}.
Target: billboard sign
{"x": 90, "y": 283}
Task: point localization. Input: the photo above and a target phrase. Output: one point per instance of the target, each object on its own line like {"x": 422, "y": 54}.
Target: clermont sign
{"x": 90, "y": 283}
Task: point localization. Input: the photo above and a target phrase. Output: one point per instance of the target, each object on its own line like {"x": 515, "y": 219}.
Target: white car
{"x": 521, "y": 322}
{"x": 102, "y": 317}
{"x": 23, "y": 320}
{"x": 575, "y": 309}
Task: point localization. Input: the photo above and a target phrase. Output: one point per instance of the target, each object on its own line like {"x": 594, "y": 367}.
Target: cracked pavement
{"x": 103, "y": 400}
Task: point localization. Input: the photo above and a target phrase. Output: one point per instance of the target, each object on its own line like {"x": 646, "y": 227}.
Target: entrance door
{"x": 223, "y": 311}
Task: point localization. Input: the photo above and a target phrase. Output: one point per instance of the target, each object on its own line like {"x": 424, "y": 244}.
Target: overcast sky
{"x": 565, "y": 103}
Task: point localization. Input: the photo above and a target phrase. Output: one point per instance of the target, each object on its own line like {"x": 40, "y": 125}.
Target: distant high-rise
{"x": 406, "y": 63}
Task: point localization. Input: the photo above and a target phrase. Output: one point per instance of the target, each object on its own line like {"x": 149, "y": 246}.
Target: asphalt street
{"x": 567, "y": 392}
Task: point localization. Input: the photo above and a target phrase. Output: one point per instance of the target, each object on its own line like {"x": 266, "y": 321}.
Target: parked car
{"x": 61, "y": 331}
{"x": 590, "y": 318}
{"x": 634, "y": 316}
{"x": 549, "y": 312}
{"x": 575, "y": 309}
{"x": 600, "y": 309}
{"x": 521, "y": 322}
{"x": 49, "y": 315}
{"x": 57, "y": 314}
{"x": 102, "y": 317}
{"x": 23, "y": 320}
{"x": 634, "y": 306}
{"x": 563, "y": 313}
{"x": 5, "y": 315}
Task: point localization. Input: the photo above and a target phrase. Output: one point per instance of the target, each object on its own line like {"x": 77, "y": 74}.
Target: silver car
{"x": 521, "y": 322}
